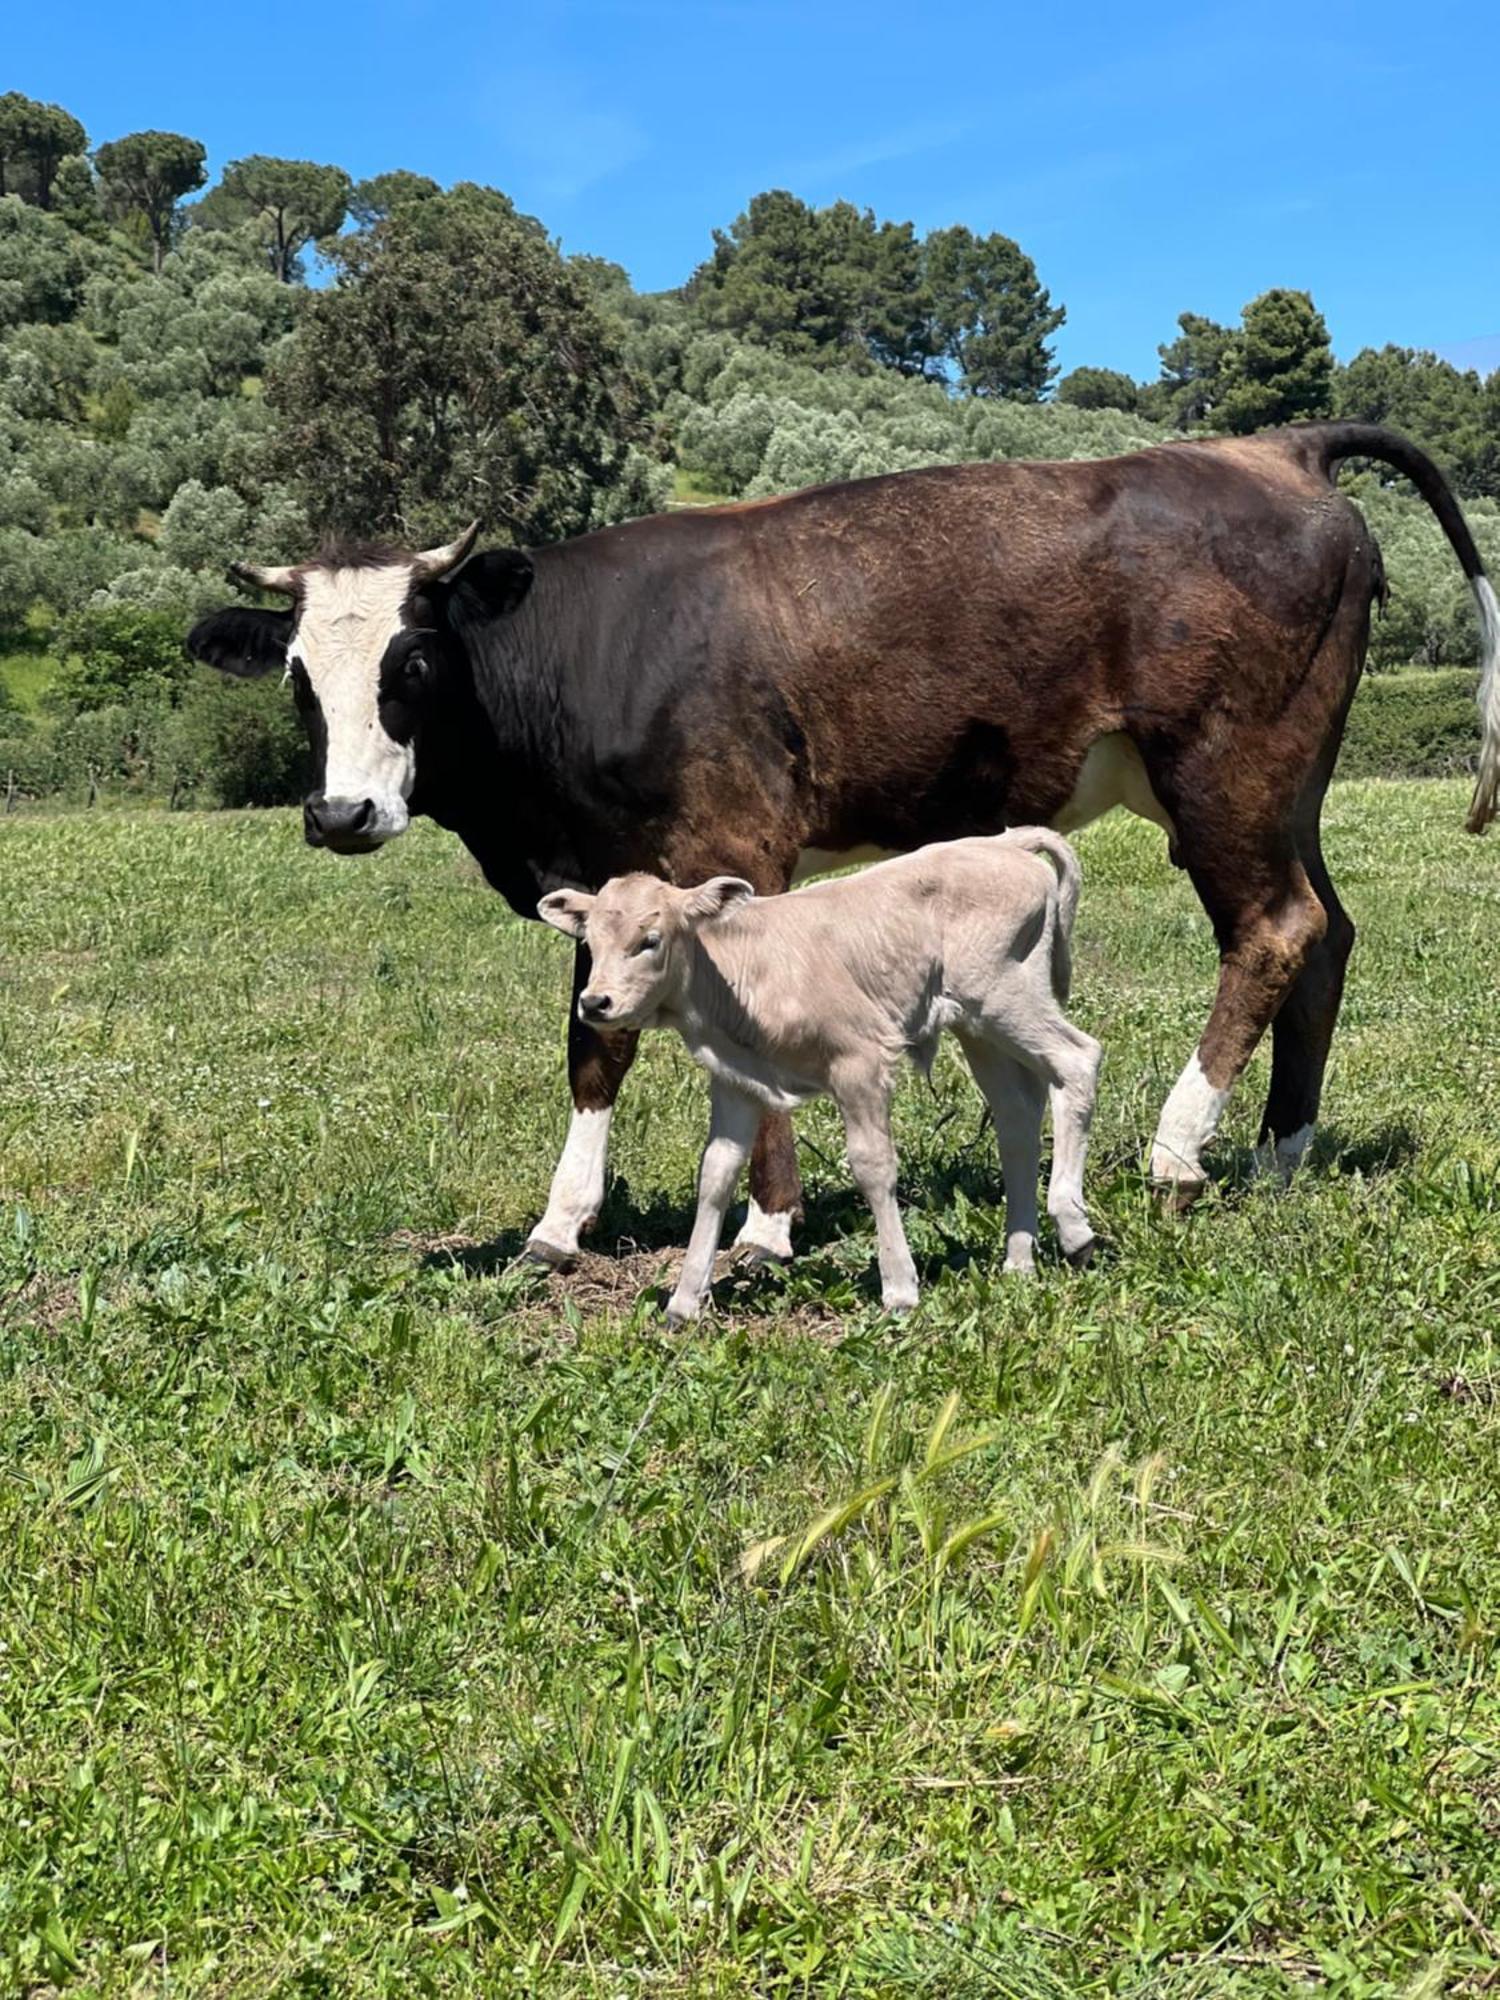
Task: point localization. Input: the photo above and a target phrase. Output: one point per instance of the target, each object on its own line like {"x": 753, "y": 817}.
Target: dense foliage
{"x": 174, "y": 395}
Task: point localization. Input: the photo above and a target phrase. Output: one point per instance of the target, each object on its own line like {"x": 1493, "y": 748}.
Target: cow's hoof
{"x": 1083, "y": 1254}
{"x": 678, "y": 1317}
{"x": 759, "y": 1257}
{"x": 1176, "y": 1197}
{"x": 547, "y": 1256}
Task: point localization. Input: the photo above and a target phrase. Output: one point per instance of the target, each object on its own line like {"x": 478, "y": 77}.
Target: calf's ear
{"x": 242, "y": 641}
{"x": 567, "y": 910}
{"x": 713, "y": 898}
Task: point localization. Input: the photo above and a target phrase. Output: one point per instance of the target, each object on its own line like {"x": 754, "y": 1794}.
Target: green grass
{"x": 27, "y": 672}
{"x": 378, "y": 1619}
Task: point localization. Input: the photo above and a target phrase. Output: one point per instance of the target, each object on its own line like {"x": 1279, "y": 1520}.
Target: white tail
{"x": 1487, "y": 785}
{"x": 1042, "y": 840}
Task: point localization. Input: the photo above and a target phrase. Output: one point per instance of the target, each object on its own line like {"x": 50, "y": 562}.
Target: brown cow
{"x": 765, "y": 688}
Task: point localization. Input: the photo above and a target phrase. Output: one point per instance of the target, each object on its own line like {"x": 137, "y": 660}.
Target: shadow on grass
{"x": 1335, "y": 1153}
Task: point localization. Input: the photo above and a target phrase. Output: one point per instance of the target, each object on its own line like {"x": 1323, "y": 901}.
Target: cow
{"x": 823, "y": 992}
{"x": 777, "y": 686}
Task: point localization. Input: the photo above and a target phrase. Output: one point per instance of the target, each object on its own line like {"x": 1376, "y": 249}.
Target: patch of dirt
{"x": 1460, "y": 1388}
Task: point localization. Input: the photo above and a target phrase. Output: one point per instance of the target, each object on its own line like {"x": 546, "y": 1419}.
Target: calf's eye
{"x": 650, "y": 942}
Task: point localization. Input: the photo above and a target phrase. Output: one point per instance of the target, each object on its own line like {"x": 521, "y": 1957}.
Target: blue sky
{"x": 1150, "y": 160}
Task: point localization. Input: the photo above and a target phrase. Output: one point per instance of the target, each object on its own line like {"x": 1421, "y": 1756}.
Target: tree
{"x": 1192, "y": 371}
{"x": 455, "y": 368}
{"x": 35, "y": 139}
{"x": 295, "y": 202}
{"x": 1278, "y": 368}
{"x": 1449, "y": 410}
{"x": 989, "y": 314}
{"x": 147, "y": 174}
{"x": 43, "y": 266}
{"x": 772, "y": 279}
{"x": 373, "y": 200}
{"x": 1099, "y": 389}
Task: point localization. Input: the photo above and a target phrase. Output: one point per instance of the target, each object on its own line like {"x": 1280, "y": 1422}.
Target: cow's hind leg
{"x": 1268, "y": 920}
{"x": 775, "y": 1194}
{"x": 1303, "y": 1030}
{"x": 596, "y": 1068}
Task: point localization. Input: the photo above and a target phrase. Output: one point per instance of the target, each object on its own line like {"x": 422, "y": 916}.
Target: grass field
{"x": 377, "y": 1618}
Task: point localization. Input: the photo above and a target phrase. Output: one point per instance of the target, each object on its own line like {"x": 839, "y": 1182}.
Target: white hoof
{"x": 681, "y": 1311}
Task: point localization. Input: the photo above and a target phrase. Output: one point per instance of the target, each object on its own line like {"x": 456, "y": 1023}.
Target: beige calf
{"x": 824, "y": 991}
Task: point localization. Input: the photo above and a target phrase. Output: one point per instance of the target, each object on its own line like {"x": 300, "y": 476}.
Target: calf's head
{"x": 635, "y": 930}
{"x": 373, "y": 647}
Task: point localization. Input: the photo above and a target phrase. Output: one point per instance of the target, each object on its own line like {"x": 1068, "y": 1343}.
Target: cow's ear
{"x": 491, "y": 583}
{"x": 712, "y": 899}
{"x": 567, "y": 910}
{"x": 242, "y": 641}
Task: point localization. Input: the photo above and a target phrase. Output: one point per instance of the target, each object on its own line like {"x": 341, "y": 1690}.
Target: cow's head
{"x": 635, "y": 928}
{"x": 372, "y": 640}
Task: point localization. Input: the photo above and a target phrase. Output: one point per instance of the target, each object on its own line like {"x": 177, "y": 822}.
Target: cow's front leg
{"x": 596, "y": 1068}
{"x": 775, "y": 1194}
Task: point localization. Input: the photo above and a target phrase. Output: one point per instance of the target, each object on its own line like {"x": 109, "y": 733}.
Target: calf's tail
{"x": 1332, "y": 442}
{"x": 1042, "y": 840}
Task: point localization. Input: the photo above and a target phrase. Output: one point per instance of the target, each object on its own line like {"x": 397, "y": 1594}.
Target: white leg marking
{"x": 1189, "y": 1119}
{"x": 1285, "y": 1156}
{"x": 578, "y": 1185}
{"x": 771, "y": 1233}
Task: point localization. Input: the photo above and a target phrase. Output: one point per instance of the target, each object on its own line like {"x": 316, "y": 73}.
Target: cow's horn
{"x": 433, "y": 563}
{"x": 283, "y": 580}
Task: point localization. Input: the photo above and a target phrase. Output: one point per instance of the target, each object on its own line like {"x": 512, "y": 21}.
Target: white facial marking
{"x": 349, "y": 617}
{"x": 578, "y": 1185}
{"x": 1112, "y": 774}
{"x": 760, "y": 1231}
{"x": 1189, "y": 1119}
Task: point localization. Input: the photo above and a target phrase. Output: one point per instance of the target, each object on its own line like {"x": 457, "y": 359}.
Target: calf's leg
{"x": 865, "y": 1107}
{"x": 1016, "y": 1097}
{"x": 733, "y": 1119}
{"x": 596, "y": 1068}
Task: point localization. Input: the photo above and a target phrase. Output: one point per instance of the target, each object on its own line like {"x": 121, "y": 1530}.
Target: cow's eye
{"x": 650, "y": 942}
{"x": 416, "y": 669}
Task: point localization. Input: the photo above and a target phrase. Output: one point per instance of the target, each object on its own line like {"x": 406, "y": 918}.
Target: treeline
{"x": 173, "y": 395}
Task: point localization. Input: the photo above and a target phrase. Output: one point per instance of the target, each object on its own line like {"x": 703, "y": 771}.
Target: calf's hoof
{"x": 681, "y": 1313}
{"x": 547, "y": 1255}
{"x": 1083, "y": 1254}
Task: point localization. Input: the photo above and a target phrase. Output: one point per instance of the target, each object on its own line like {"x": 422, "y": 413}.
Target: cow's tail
{"x": 1339, "y": 441}
{"x": 1042, "y": 840}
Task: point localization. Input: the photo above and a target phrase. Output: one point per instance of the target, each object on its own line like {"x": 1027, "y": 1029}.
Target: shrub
{"x": 1420, "y": 724}
{"x": 119, "y": 655}
{"x": 234, "y": 743}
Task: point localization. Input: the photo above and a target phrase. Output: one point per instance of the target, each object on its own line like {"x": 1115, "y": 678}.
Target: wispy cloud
{"x": 564, "y": 144}
{"x": 874, "y": 152}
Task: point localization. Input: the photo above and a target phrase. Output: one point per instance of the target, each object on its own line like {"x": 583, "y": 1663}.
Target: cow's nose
{"x": 594, "y": 1006}
{"x": 337, "y": 819}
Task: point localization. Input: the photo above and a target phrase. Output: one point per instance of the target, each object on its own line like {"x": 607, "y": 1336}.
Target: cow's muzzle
{"x": 348, "y": 826}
